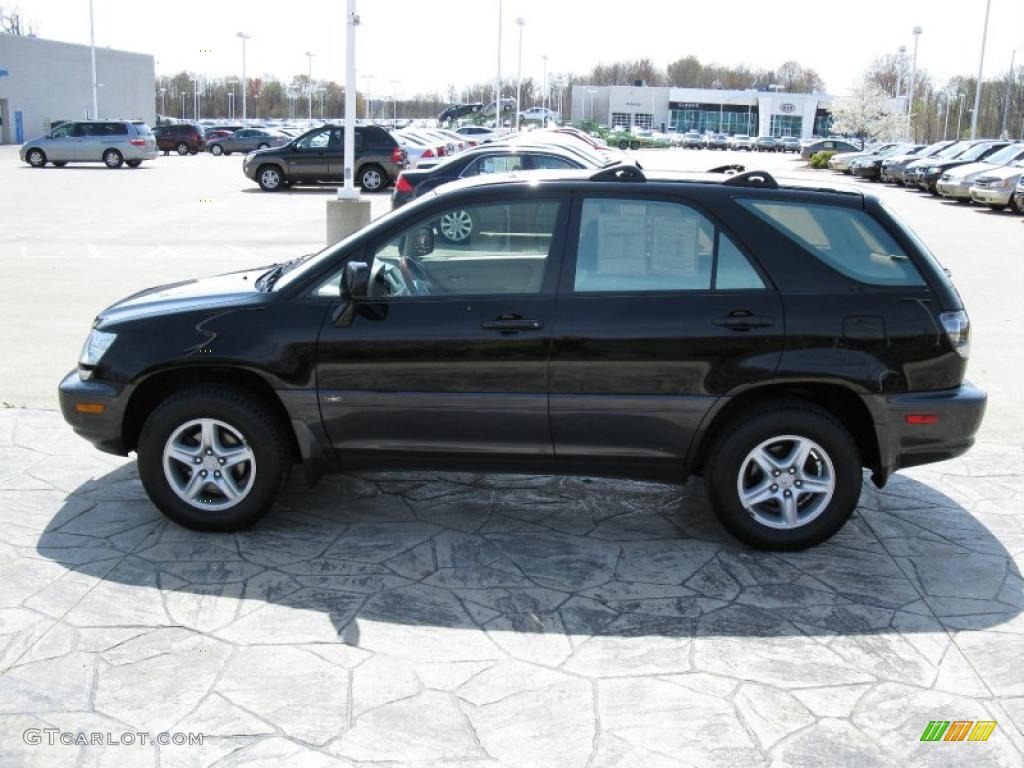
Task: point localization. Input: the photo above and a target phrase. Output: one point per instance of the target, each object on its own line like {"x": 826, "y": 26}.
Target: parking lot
{"x": 440, "y": 619}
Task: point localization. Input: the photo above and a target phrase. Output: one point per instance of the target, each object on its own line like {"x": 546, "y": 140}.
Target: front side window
{"x": 643, "y": 245}
{"x": 847, "y": 239}
{"x": 485, "y": 249}
{"x": 315, "y": 141}
{"x": 495, "y": 164}
{"x": 550, "y": 162}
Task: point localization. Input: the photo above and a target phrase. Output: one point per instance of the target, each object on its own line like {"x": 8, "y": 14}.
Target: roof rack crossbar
{"x": 624, "y": 172}
{"x": 752, "y": 179}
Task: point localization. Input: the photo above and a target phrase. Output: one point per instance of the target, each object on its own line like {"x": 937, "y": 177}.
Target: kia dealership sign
{"x": 787, "y": 108}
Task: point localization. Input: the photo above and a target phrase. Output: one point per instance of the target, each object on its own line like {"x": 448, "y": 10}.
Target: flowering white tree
{"x": 869, "y": 112}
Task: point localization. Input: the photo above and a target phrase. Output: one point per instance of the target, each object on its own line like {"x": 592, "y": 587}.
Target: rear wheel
{"x": 456, "y": 226}
{"x": 784, "y": 478}
{"x": 182, "y": 148}
{"x": 270, "y": 178}
{"x": 263, "y": 146}
{"x": 372, "y": 178}
{"x": 36, "y": 158}
{"x": 213, "y": 458}
{"x": 112, "y": 158}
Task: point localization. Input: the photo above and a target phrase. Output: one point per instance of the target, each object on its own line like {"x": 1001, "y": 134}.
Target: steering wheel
{"x": 416, "y": 276}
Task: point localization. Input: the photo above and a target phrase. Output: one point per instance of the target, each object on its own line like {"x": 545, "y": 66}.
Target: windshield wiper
{"x": 266, "y": 281}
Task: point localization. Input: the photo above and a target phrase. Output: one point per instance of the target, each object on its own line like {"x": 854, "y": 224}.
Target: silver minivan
{"x": 111, "y": 142}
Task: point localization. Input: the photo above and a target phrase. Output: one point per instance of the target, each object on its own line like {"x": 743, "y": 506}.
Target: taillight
{"x": 137, "y": 142}
{"x": 958, "y": 328}
{"x": 440, "y": 151}
{"x": 397, "y": 155}
{"x": 403, "y": 185}
{"x": 428, "y": 152}
{"x": 473, "y": 143}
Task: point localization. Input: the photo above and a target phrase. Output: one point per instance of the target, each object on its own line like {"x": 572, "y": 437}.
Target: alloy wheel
{"x": 371, "y": 179}
{"x": 456, "y": 226}
{"x": 786, "y": 482}
{"x": 208, "y": 464}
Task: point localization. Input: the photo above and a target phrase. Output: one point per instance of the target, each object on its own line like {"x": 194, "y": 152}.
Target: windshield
{"x": 975, "y": 152}
{"x": 953, "y": 150}
{"x": 1005, "y": 155}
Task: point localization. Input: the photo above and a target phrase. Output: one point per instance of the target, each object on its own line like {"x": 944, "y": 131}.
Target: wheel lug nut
{"x": 776, "y": 473}
{"x": 202, "y": 473}
{"x": 792, "y": 470}
{"x": 775, "y": 488}
{"x": 216, "y": 474}
{"x": 787, "y": 494}
{"x": 209, "y": 452}
{"x": 198, "y": 460}
{"x": 797, "y": 483}
{"x": 220, "y": 461}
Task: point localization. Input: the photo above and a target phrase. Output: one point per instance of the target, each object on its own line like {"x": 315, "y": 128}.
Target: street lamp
{"x": 899, "y": 72}
{"x": 913, "y": 81}
{"x": 92, "y": 55}
{"x": 497, "y": 83}
{"x": 1009, "y": 92}
{"x": 394, "y": 101}
{"x": 520, "y": 22}
{"x": 544, "y": 86}
{"x": 981, "y": 67}
{"x": 245, "y": 83}
{"x": 591, "y": 91}
{"x": 309, "y": 84}
{"x": 366, "y": 97}
{"x": 349, "y": 191}
{"x": 163, "y": 103}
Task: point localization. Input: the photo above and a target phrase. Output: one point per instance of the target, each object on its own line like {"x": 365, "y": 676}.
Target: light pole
{"x": 591, "y": 91}
{"x": 497, "y": 82}
{"x": 163, "y": 103}
{"x": 520, "y": 22}
{"x": 92, "y": 55}
{"x": 913, "y": 84}
{"x": 195, "y": 100}
{"x": 394, "y": 101}
{"x": 1009, "y": 92}
{"x": 544, "y": 86}
{"x": 245, "y": 83}
{"x": 366, "y": 94}
{"x": 959, "y": 115}
{"x": 901, "y": 57}
{"x": 309, "y": 84}
{"x": 231, "y": 104}
{"x": 349, "y": 191}
{"x": 945, "y": 124}
{"x": 183, "y": 105}
{"x": 981, "y": 67}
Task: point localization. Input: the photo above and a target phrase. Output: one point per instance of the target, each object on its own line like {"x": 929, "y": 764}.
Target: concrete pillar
{"x": 345, "y": 217}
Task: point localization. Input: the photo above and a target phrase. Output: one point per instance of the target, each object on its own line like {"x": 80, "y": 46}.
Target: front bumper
{"x": 957, "y": 190}
{"x": 992, "y": 195}
{"x": 104, "y": 430}
{"x": 957, "y": 417}
{"x": 867, "y": 171}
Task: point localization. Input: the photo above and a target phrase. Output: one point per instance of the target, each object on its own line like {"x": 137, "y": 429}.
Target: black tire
{"x": 733, "y": 445}
{"x": 226, "y": 153}
{"x": 996, "y": 207}
{"x": 59, "y": 163}
{"x": 113, "y": 158}
{"x": 133, "y": 163}
{"x": 623, "y": 144}
{"x": 634, "y": 145}
{"x": 181, "y": 148}
{"x": 270, "y": 178}
{"x": 372, "y": 178}
{"x": 263, "y": 433}
{"x": 35, "y": 157}
{"x": 216, "y": 150}
{"x": 263, "y": 146}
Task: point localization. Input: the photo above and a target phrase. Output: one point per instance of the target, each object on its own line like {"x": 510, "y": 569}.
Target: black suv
{"x": 317, "y": 156}
{"x": 773, "y": 339}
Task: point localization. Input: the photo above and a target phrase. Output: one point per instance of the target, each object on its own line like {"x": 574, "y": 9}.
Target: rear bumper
{"x": 104, "y": 430}
{"x": 957, "y": 416}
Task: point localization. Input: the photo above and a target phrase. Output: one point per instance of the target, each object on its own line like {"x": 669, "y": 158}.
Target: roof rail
{"x": 731, "y": 168}
{"x": 752, "y": 179}
{"x": 623, "y": 172}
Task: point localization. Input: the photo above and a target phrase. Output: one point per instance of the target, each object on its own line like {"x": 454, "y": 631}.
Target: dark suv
{"x": 184, "y": 138}
{"x": 775, "y": 340}
{"x": 317, "y": 156}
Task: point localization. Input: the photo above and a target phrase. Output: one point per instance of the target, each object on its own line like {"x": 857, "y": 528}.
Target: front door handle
{"x": 513, "y": 323}
{"x": 742, "y": 320}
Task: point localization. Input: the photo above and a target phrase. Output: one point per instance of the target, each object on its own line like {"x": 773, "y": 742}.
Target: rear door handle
{"x": 741, "y": 320}
{"x": 512, "y": 325}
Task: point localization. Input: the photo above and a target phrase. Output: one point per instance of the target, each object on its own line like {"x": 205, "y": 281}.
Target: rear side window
{"x": 143, "y": 129}
{"x": 648, "y": 245}
{"x": 848, "y": 240}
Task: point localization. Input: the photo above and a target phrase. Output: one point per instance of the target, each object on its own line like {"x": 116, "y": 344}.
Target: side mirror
{"x": 355, "y": 280}
{"x": 423, "y": 242}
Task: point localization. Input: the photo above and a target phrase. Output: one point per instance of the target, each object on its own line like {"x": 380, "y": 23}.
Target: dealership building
{"x": 42, "y": 81}
{"x": 752, "y": 112}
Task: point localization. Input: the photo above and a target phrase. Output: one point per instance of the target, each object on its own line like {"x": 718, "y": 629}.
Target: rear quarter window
{"x": 848, "y": 240}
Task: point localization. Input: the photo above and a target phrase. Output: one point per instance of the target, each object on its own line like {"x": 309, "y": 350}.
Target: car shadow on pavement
{"x": 386, "y": 558}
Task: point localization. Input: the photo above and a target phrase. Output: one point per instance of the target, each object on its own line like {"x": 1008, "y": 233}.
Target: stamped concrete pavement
{"x": 470, "y": 620}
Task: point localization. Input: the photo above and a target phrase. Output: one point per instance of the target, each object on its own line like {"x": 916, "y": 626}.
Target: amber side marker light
{"x": 922, "y": 418}
{"x": 90, "y": 407}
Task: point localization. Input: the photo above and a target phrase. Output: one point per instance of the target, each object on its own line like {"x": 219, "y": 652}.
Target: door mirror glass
{"x": 355, "y": 280}
{"x": 420, "y": 243}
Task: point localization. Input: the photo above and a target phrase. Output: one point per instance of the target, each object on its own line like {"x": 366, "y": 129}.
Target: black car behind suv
{"x": 317, "y": 156}
{"x": 775, "y": 340}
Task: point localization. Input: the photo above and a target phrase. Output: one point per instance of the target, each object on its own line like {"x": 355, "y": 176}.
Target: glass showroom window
{"x": 684, "y": 120}
{"x": 620, "y": 119}
{"x": 643, "y": 120}
{"x": 787, "y": 125}
{"x": 822, "y": 125}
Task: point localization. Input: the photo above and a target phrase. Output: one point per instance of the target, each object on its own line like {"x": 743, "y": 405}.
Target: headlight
{"x": 95, "y": 347}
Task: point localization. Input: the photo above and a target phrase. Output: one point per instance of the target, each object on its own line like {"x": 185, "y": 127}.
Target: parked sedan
{"x": 870, "y": 166}
{"x": 741, "y": 141}
{"x": 493, "y": 158}
{"x": 894, "y": 167}
{"x": 692, "y": 140}
{"x": 789, "y": 144}
{"x": 955, "y": 183}
{"x": 455, "y": 111}
{"x": 827, "y": 145}
{"x": 997, "y": 188}
{"x": 843, "y": 160}
{"x": 766, "y": 144}
{"x": 247, "y": 140}
{"x": 716, "y": 141}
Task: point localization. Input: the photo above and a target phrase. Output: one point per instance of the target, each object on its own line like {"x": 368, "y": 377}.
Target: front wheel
{"x": 270, "y": 178}
{"x": 784, "y": 478}
{"x": 263, "y": 146}
{"x": 36, "y": 158}
{"x": 112, "y": 158}
{"x": 213, "y": 458}
{"x": 216, "y": 150}
{"x": 133, "y": 163}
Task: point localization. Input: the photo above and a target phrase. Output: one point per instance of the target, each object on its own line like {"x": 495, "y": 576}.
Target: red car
{"x": 185, "y": 139}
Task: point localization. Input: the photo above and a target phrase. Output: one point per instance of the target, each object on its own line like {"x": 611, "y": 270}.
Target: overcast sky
{"x": 428, "y": 45}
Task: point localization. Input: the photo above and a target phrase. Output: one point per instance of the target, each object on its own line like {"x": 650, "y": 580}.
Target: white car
{"x": 478, "y": 133}
{"x": 539, "y": 114}
{"x": 740, "y": 141}
{"x": 995, "y": 188}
